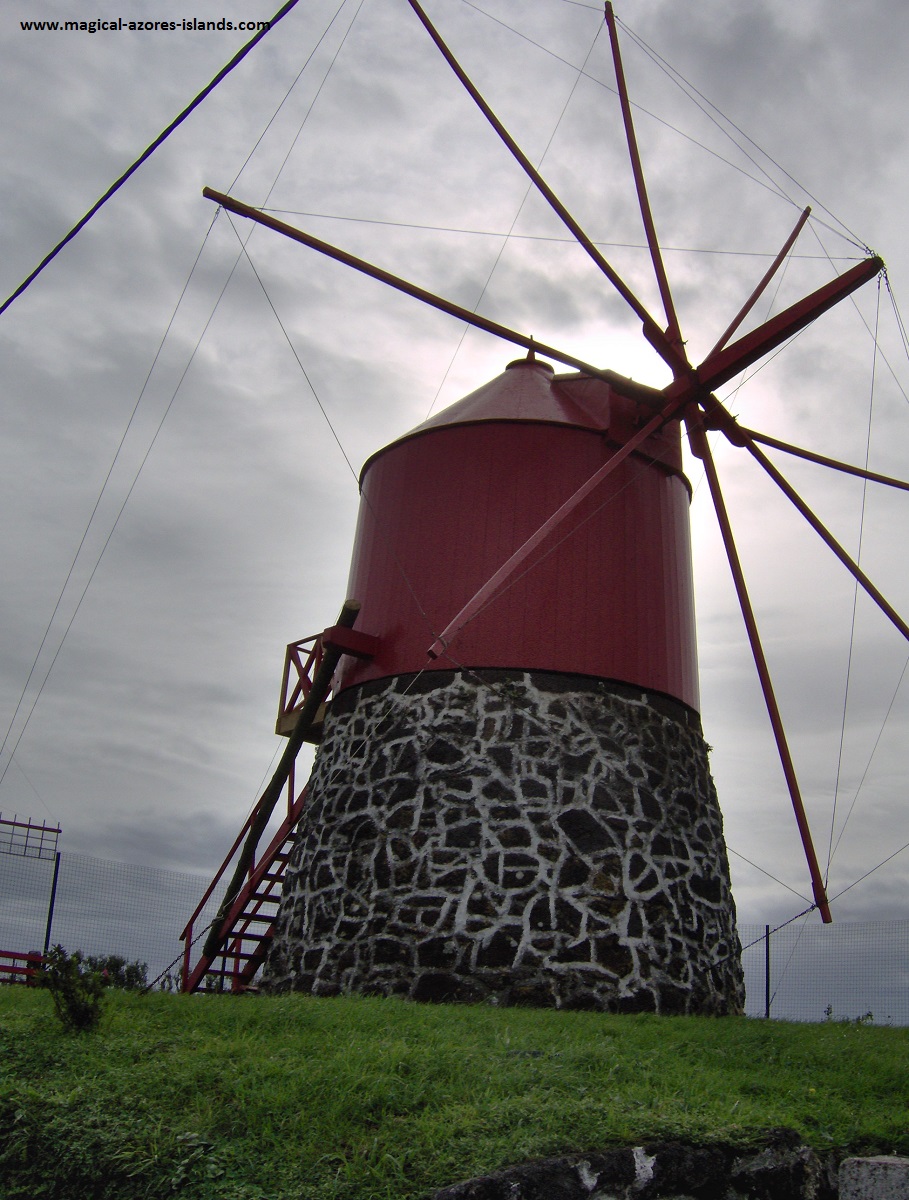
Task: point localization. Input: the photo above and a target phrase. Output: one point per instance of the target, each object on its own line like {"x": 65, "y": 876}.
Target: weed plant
{"x": 294, "y": 1098}
{"x": 76, "y": 988}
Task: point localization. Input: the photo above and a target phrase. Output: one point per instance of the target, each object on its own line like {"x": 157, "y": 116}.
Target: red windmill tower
{"x": 511, "y": 799}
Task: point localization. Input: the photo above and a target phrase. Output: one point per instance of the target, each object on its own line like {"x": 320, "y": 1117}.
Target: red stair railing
{"x": 262, "y": 885}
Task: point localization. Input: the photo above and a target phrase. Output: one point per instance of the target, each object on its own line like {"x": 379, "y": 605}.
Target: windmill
{"x": 515, "y": 944}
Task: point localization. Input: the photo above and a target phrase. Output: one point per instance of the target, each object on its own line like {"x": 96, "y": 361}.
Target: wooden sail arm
{"x": 758, "y": 291}
{"x": 654, "y": 334}
{"x": 673, "y": 332}
{"x": 402, "y": 285}
{"x": 827, "y": 537}
{"x": 701, "y": 449}
{"x": 719, "y": 368}
{"x": 743, "y": 432}
{"x": 714, "y": 416}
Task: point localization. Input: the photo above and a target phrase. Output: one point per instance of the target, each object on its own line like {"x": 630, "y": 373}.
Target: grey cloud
{"x": 155, "y": 727}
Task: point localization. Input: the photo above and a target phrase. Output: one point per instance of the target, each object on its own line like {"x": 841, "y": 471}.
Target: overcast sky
{"x": 154, "y": 728}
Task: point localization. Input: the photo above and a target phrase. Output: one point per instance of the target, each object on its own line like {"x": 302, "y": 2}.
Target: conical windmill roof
{"x": 528, "y": 390}
{"x": 525, "y": 391}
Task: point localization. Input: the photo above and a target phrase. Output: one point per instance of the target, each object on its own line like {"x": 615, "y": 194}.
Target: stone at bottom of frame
{"x": 879, "y": 1178}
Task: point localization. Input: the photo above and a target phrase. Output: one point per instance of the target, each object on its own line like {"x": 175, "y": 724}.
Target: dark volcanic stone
{"x": 531, "y": 788}
{"x": 573, "y": 871}
{"x": 584, "y": 830}
{"x": 442, "y": 988}
{"x": 438, "y": 952}
{"x": 443, "y": 753}
{"x": 517, "y": 835}
{"x": 467, "y": 835}
{"x": 389, "y": 950}
{"x": 709, "y": 889}
{"x": 611, "y": 954}
{"x": 499, "y": 952}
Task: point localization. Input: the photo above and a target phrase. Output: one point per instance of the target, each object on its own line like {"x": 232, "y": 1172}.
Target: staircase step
{"x": 269, "y": 892}
{"x": 226, "y": 974}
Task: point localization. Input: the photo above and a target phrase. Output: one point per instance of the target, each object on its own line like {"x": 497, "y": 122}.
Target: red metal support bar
{"x": 402, "y": 285}
{"x": 294, "y": 695}
{"x": 849, "y": 563}
{"x": 673, "y": 332}
{"x": 701, "y": 449}
{"x": 652, "y": 331}
{"x": 755, "y": 295}
{"x": 187, "y": 934}
{"x": 492, "y": 585}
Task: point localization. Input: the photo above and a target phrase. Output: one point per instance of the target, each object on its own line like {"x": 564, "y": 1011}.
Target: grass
{"x": 293, "y": 1098}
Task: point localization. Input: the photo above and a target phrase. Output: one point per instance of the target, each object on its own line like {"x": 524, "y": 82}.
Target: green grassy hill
{"x": 255, "y": 1098}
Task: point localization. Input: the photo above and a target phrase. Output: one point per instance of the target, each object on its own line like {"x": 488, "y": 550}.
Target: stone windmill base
{"x": 512, "y": 838}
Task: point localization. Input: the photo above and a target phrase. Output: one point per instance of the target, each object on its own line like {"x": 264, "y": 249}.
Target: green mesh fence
{"x": 845, "y": 971}
{"x": 817, "y": 972}
{"x": 101, "y": 907}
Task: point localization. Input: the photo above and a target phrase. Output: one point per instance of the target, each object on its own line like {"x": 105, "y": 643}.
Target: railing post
{"x": 188, "y": 938}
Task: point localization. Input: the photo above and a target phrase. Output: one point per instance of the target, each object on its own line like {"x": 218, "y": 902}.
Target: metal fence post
{"x": 767, "y": 972}
{"x": 53, "y": 897}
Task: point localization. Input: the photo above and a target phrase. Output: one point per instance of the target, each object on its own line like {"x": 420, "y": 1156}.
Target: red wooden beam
{"x": 719, "y": 368}
{"x": 701, "y": 449}
{"x": 755, "y": 295}
{"x": 350, "y": 641}
{"x": 673, "y": 332}
{"x": 654, "y": 334}
{"x": 822, "y": 460}
{"x": 492, "y": 585}
{"x": 402, "y": 285}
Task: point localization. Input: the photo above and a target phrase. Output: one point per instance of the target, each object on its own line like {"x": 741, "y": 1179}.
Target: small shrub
{"x": 116, "y": 972}
{"x": 76, "y": 989}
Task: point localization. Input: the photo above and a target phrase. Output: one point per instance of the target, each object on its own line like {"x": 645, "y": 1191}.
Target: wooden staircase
{"x": 232, "y": 953}
{"x": 247, "y": 930}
